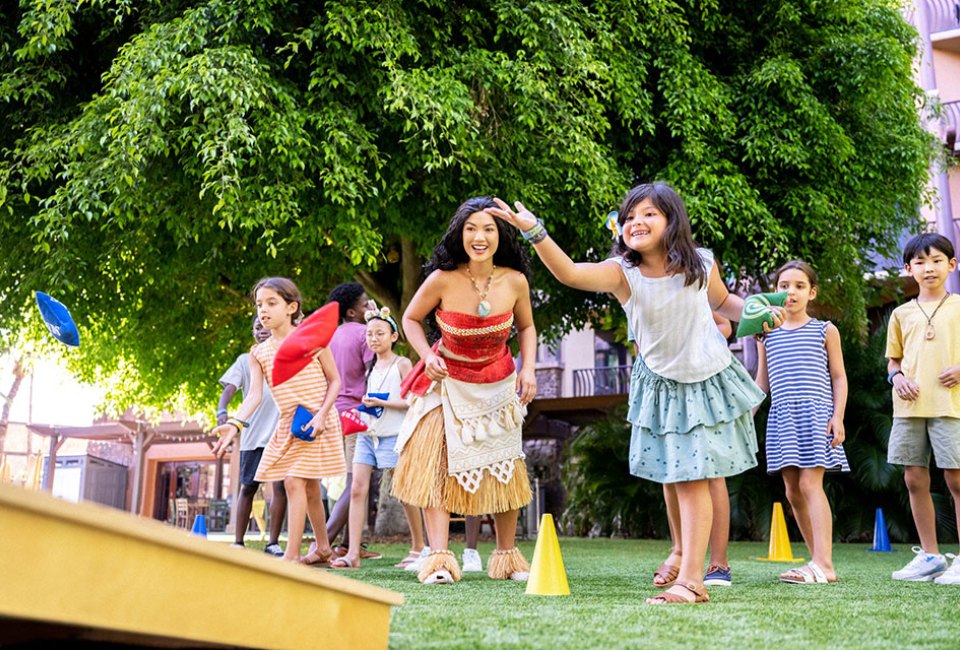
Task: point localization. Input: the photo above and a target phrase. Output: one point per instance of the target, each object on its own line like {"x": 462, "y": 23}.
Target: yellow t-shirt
{"x": 923, "y": 360}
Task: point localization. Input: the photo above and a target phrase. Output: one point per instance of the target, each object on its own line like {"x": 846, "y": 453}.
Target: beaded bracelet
{"x": 539, "y": 237}
{"x": 535, "y": 234}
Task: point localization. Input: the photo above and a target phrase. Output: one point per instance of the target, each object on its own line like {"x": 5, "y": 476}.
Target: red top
{"x": 482, "y": 340}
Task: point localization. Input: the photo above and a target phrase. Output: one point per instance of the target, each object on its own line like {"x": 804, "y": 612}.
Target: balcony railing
{"x": 614, "y": 380}
{"x": 943, "y": 15}
{"x": 950, "y": 118}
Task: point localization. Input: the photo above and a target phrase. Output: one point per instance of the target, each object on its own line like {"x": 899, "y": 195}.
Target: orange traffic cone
{"x": 779, "y": 540}
{"x": 547, "y": 575}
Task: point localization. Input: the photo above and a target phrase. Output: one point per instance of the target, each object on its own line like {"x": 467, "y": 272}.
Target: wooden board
{"x": 89, "y": 571}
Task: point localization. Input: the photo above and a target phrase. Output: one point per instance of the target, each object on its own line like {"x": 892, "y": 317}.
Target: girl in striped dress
{"x": 300, "y": 464}
{"x": 802, "y": 365}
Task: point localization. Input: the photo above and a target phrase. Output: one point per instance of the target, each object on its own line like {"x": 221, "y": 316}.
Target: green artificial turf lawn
{"x": 610, "y": 578}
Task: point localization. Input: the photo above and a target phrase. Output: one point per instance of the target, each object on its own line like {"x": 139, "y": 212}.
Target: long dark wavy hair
{"x": 682, "y": 256}
{"x": 449, "y": 252}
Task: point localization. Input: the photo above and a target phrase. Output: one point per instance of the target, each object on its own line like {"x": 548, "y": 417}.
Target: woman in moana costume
{"x": 460, "y": 444}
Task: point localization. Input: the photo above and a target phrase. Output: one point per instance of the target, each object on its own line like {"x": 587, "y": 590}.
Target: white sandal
{"x": 808, "y": 574}
{"x": 412, "y": 557}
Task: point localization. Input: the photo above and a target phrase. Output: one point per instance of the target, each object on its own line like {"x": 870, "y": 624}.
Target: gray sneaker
{"x": 273, "y": 549}
{"x": 472, "y": 561}
{"x": 924, "y": 567}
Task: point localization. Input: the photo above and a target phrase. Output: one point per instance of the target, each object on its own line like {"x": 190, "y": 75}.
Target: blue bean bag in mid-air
{"x": 58, "y": 320}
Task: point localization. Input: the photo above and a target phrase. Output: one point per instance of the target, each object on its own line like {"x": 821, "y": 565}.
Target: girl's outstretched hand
{"x": 522, "y": 218}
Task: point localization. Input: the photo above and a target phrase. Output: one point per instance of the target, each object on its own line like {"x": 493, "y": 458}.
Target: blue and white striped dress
{"x": 801, "y": 400}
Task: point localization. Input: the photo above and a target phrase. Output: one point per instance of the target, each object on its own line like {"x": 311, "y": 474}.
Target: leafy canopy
{"x": 157, "y": 158}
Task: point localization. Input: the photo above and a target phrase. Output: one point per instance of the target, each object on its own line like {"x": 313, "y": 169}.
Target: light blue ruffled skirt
{"x": 685, "y": 432}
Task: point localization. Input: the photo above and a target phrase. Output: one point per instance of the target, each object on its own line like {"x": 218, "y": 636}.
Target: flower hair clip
{"x": 382, "y": 314}
{"x": 612, "y": 223}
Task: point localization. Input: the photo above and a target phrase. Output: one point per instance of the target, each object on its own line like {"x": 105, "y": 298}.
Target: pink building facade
{"x": 938, "y": 73}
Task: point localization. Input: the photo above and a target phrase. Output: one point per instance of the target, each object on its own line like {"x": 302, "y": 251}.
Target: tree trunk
{"x": 383, "y": 295}
{"x": 411, "y": 267}
{"x": 19, "y": 370}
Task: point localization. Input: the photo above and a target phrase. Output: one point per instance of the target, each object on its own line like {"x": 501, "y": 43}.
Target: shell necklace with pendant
{"x": 931, "y": 332}
{"x": 483, "y": 309}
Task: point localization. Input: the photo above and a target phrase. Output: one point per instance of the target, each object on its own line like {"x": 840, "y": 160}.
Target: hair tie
{"x": 382, "y": 314}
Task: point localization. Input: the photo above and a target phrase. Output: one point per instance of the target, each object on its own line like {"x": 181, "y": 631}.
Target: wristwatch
{"x": 892, "y": 375}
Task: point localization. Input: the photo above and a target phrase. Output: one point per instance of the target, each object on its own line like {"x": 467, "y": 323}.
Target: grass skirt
{"x": 504, "y": 564}
{"x": 421, "y": 478}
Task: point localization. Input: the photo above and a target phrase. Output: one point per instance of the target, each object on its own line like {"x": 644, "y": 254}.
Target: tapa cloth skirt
{"x": 421, "y": 478}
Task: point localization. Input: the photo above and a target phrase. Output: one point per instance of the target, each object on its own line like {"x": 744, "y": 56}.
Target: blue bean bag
{"x": 58, "y": 320}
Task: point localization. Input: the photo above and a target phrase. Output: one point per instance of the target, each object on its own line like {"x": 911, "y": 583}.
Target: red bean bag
{"x": 350, "y": 422}
{"x": 302, "y": 345}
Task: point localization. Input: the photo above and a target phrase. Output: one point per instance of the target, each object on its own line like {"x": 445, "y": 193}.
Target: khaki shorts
{"x": 349, "y": 447}
{"x": 912, "y": 439}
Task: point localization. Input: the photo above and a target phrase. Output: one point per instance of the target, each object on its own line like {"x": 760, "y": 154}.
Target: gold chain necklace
{"x": 483, "y": 309}
{"x": 931, "y": 332}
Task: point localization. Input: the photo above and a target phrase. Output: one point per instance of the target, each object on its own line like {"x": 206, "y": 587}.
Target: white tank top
{"x": 673, "y": 324}
{"x": 386, "y": 380}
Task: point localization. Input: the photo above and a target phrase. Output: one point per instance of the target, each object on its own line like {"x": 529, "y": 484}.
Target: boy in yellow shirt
{"x": 923, "y": 348}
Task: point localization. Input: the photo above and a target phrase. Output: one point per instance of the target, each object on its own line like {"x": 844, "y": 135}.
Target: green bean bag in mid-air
{"x": 756, "y": 312}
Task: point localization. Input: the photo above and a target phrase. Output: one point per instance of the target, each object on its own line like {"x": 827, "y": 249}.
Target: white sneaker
{"x": 417, "y": 564}
{"x": 471, "y": 561}
{"x": 952, "y": 575}
{"x": 924, "y": 567}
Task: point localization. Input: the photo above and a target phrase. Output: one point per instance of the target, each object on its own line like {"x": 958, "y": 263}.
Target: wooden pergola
{"x": 141, "y": 435}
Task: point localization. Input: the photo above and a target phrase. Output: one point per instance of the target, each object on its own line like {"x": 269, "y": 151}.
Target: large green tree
{"x": 156, "y": 158}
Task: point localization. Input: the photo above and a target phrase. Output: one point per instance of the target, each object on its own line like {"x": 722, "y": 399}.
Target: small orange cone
{"x": 779, "y": 541}
{"x": 547, "y": 575}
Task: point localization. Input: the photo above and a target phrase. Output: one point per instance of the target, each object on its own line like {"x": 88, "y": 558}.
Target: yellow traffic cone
{"x": 547, "y": 575}
{"x": 780, "y": 550}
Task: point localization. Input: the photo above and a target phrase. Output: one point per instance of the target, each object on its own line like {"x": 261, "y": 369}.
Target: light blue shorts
{"x": 376, "y": 452}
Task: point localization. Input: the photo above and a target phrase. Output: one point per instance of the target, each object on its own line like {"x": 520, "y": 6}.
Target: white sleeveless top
{"x": 384, "y": 381}
{"x": 673, "y": 324}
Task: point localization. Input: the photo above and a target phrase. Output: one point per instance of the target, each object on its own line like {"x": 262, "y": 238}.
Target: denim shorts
{"x": 912, "y": 439}
{"x": 376, "y": 452}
